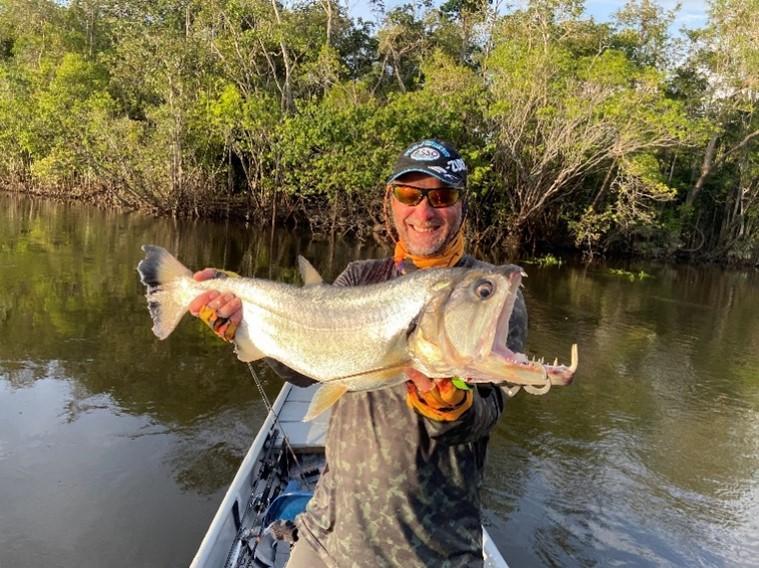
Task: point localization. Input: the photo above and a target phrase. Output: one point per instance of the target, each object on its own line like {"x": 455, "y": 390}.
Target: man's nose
{"x": 424, "y": 210}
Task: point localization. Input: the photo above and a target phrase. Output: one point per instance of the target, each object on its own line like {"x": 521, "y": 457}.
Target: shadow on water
{"x": 72, "y": 296}
{"x": 649, "y": 459}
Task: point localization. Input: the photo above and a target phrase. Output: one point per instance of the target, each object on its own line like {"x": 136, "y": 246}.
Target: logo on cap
{"x": 425, "y": 154}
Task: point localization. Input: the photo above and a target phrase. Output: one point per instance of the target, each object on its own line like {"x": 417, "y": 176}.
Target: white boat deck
{"x": 303, "y": 436}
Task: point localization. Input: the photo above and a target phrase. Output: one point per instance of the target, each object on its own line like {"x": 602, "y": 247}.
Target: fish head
{"x": 477, "y": 311}
{"x": 466, "y": 315}
{"x": 463, "y": 331}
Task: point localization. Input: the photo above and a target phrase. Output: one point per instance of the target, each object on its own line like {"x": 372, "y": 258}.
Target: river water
{"x": 115, "y": 448}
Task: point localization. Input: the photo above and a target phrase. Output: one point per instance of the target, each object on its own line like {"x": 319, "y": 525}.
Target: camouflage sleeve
{"x": 475, "y": 423}
{"x": 353, "y": 275}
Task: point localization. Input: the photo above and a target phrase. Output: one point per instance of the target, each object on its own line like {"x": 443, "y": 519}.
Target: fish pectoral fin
{"x": 325, "y": 397}
{"x": 310, "y": 275}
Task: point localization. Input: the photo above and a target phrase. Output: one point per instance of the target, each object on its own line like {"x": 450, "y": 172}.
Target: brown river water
{"x": 115, "y": 448}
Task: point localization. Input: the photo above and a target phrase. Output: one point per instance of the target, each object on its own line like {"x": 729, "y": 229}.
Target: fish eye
{"x": 483, "y": 289}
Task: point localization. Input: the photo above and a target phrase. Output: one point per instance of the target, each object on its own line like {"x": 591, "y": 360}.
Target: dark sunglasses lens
{"x": 443, "y": 197}
{"x": 407, "y": 195}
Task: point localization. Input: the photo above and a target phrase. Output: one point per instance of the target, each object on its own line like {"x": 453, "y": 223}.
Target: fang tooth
{"x": 556, "y": 362}
{"x": 575, "y": 358}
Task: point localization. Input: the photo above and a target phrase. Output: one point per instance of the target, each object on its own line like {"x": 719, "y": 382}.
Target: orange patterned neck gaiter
{"x": 448, "y": 257}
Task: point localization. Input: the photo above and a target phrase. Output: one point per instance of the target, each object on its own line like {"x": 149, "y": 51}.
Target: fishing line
{"x": 270, "y": 409}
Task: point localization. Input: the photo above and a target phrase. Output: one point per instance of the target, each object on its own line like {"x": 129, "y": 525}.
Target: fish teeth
{"x": 575, "y": 358}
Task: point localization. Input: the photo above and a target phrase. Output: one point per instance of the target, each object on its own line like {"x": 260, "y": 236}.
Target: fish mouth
{"x": 507, "y": 366}
{"x": 515, "y": 368}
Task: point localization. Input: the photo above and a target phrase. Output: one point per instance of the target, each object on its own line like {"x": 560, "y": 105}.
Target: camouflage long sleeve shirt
{"x": 400, "y": 489}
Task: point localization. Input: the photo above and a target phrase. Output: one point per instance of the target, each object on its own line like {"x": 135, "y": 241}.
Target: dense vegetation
{"x": 607, "y": 137}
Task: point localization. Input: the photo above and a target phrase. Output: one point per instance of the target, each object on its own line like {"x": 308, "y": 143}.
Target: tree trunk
{"x": 287, "y": 95}
{"x": 604, "y": 185}
{"x": 513, "y": 243}
{"x": 327, "y": 4}
{"x": 706, "y": 169}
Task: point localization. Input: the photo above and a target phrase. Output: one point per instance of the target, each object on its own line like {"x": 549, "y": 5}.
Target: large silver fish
{"x": 442, "y": 322}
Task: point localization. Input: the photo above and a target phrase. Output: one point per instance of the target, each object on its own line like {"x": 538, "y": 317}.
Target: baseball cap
{"x": 432, "y": 157}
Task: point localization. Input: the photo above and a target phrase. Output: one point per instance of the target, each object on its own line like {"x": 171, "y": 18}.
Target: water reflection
{"x": 77, "y": 354}
{"x": 650, "y": 458}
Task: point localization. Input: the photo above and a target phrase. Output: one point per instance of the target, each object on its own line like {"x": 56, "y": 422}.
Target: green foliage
{"x": 319, "y": 147}
{"x": 631, "y": 276}
{"x": 545, "y": 261}
{"x": 590, "y": 228}
{"x": 574, "y": 131}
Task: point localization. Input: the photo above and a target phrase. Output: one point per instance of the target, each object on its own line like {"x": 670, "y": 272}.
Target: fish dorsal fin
{"x": 309, "y": 274}
{"x": 325, "y": 397}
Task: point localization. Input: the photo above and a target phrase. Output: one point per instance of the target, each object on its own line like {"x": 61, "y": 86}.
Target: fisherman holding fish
{"x": 404, "y": 464}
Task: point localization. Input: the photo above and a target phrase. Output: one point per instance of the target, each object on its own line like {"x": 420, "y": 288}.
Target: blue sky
{"x": 692, "y": 14}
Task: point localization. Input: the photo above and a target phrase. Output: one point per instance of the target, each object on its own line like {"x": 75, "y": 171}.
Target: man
{"x": 405, "y": 464}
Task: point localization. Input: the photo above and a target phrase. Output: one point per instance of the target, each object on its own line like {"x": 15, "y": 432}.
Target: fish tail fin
{"x": 158, "y": 271}
{"x": 325, "y": 397}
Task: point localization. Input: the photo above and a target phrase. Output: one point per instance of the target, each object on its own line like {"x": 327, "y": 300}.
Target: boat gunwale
{"x": 207, "y": 545}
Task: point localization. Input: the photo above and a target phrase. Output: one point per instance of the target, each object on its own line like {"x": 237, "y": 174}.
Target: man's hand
{"x": 436, "y": 399}
{"x": 221, "y": 312}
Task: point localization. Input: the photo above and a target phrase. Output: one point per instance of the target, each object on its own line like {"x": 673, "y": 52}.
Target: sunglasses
{"x": 437, "y": 198}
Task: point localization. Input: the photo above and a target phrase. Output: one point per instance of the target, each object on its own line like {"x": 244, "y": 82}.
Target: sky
{"x": 692, "y": 14}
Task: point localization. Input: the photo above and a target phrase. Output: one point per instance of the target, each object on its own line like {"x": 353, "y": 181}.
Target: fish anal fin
{"x": 310, "y": 275}
{"x": 325, "y": 397}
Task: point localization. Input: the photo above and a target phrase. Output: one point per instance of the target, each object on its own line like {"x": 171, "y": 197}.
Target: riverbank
{"x": 321, "y": 219}
{"x": 365, "y": 224}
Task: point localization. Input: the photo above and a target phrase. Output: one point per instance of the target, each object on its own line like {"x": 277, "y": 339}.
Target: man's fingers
{"x": 222, "y": 312}
{"x": 421, "y": 381}
{"x": 229, "y": 308}
{"x": 221, "y": 300}
{"x": 197, "y": 304}
{"x": 441, "y": 389}
{"x": 205, "y": 274}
